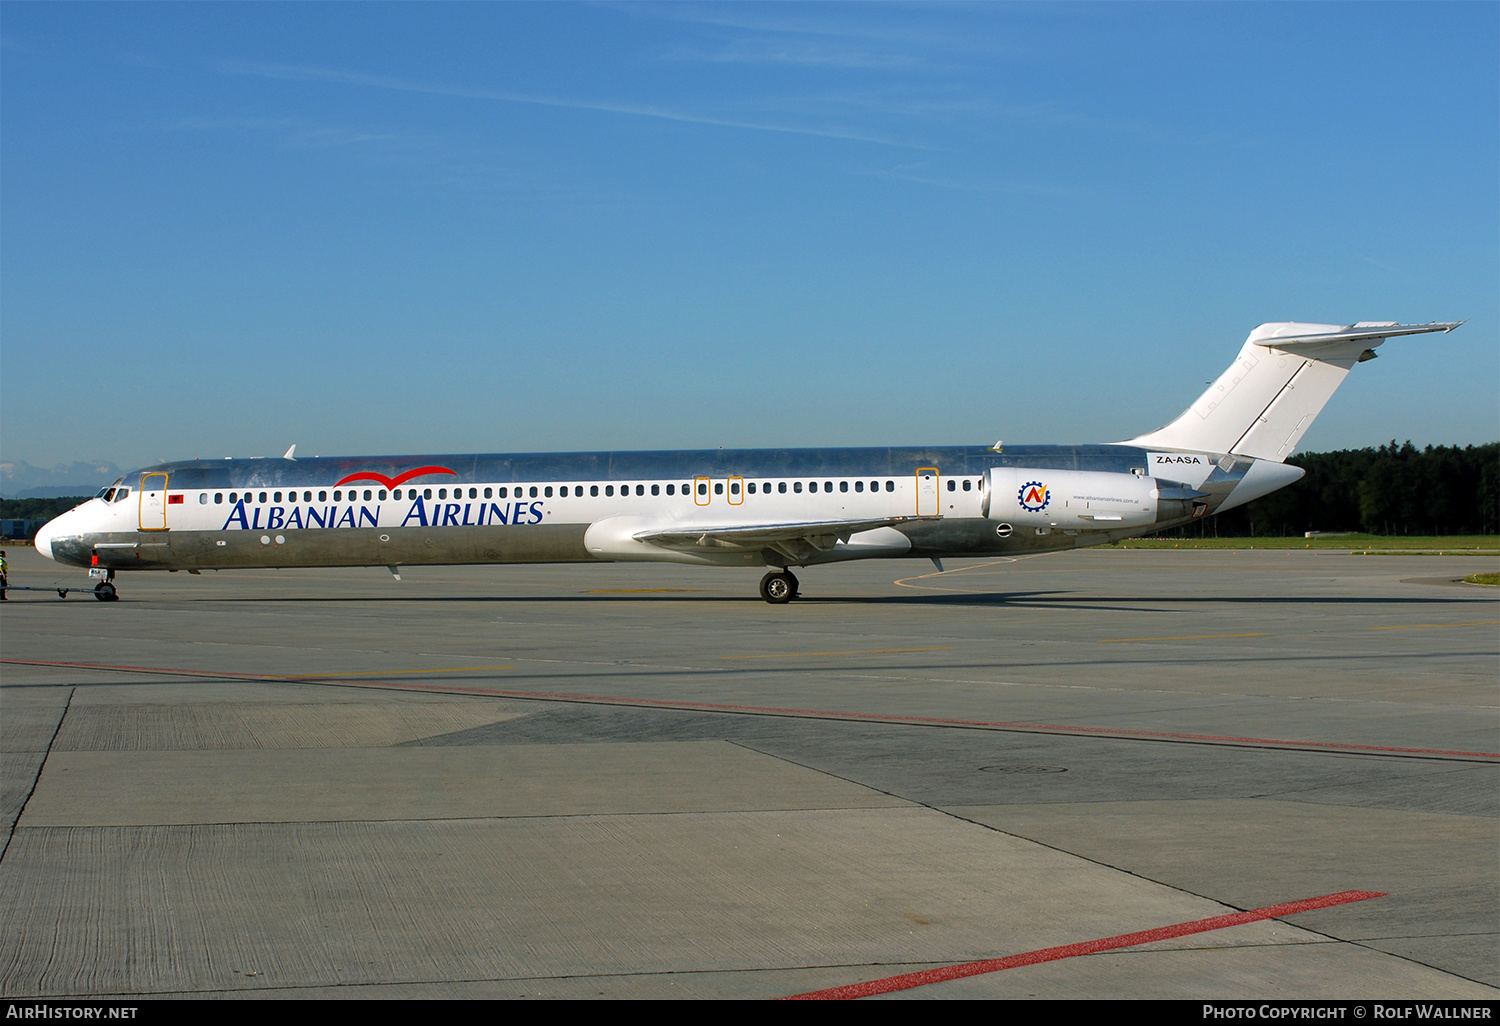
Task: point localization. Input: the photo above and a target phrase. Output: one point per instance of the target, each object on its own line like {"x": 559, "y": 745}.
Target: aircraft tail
{"x": 1262, "y": 405}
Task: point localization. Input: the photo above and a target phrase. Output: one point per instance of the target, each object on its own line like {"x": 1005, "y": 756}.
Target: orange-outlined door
{"x": 927, "y": 492}
{"x": 153, "y": 502}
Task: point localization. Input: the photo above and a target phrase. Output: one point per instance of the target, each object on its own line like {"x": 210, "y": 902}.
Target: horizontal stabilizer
{"x": 1365, "y": 331}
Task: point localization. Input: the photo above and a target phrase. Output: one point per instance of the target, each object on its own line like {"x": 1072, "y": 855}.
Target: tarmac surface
{"x": 642, "y": 781}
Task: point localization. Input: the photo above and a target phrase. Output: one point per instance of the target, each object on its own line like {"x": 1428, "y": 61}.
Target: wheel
{"x": 105, "y": 592}
{"x": 778, "y": 588}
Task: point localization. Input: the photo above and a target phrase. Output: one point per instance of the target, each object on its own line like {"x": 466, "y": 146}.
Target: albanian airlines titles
{"x": 420, "y": 514}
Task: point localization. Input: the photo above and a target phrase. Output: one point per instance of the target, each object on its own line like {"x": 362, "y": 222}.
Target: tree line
{"x": 1394, "y": 489}
{"x": 37, "y": 509}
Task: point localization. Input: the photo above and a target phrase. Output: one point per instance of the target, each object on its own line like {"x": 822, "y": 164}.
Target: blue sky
{"x": 372, "y": 228}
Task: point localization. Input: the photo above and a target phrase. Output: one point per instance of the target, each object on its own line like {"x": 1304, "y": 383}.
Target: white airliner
{"x": 778, "y": 508}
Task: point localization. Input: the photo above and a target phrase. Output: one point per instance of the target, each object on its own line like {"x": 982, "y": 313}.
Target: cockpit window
{"x": 107, "y": 494}
{"x": 120, "y": 493}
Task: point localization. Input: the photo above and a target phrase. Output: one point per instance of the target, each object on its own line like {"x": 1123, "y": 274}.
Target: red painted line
{"x": 827, "y": 714}
{"x": 1126, "y": 940}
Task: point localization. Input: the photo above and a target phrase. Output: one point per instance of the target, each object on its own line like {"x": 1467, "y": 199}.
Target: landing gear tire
{"x": 105, "y": 592}
{"x": 778, "y": 587}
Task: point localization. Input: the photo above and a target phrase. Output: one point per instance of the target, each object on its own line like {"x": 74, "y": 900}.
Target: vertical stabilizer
{"x": 1263, "y": 404}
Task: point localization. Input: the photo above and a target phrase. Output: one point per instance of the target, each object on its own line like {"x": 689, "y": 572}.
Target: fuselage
{"x": 773, "y": 507}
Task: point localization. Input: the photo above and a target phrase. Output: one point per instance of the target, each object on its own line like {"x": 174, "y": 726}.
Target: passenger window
{"x": 952, "y": 485}
{"x": 489, "y": 493}
{"x": 203, "y": 498}
{"x": 442, "y": 493}
{"x": 548, "y": 491}
{"x": 262, "y": 496}
{"x": 968, "y": 485}
{"x": 367, "y": 495}
{"x": 640, "y": 489}
{"x": 843, "y": 486}
{"x": 797, "y": 486}
{"x": 609, "y": 490}
{"x": 234, "y": 497}
{"x": 594, "y": 491}
{"x": 750, "y": 487}
{"x": 781, "y": 487}
{"x": 859, "y": 486}
{"x": 533, "y": 491}
{"x": 218, "y": 498}
{"x": 503, "y": 492}
{"x": 322, "y": 497}
{"x": 278, "y": 496}
{"x": 702, "y": 488}
{"x": 671, "y": 489}
{"x": 734, "y": 488}
{"x": 718, "y": 487}
{"x": 656, "y": 489}
{"x": 828, "y": 486}
{"x": 382, "y": 495}
{"x": 426, "y": 494}
{"x": 890, "y": 486}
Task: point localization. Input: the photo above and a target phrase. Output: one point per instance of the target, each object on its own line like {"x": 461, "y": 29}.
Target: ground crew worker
{"x": 4, "y": 570}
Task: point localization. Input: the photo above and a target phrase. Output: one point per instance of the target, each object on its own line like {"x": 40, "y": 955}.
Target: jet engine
{"x": 1082, "y": 500}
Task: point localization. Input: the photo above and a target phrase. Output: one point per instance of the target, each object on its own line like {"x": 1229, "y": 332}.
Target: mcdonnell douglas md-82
{"x": 777, "y": 508}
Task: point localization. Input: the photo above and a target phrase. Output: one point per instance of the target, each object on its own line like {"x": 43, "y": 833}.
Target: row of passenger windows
{"x": 545, "y": 491}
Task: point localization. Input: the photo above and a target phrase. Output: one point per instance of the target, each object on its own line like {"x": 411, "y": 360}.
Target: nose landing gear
{"x": 104, "y": 591}
{"x": 778, "y": 587}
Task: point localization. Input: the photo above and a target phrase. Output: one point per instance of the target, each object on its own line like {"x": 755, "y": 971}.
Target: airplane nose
{"x": 44, "y": 538}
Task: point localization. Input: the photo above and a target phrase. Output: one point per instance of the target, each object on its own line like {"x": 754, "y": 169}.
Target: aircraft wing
{"x": 794, "y": 540}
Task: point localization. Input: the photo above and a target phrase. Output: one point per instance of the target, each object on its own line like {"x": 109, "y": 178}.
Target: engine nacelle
{"x": 1081, "y": 500}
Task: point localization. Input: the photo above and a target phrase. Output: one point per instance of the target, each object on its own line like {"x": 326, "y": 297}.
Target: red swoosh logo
{"x": 392, "y": 482}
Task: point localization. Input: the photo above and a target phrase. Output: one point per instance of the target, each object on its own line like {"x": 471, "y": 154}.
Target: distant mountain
{"x": 20, "y": 480}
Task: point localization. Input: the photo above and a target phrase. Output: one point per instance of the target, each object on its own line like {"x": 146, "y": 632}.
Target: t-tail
{"x": 1263, "y": 404}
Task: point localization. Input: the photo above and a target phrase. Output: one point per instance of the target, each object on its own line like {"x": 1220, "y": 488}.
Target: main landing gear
{"x": 778, "y": 587}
